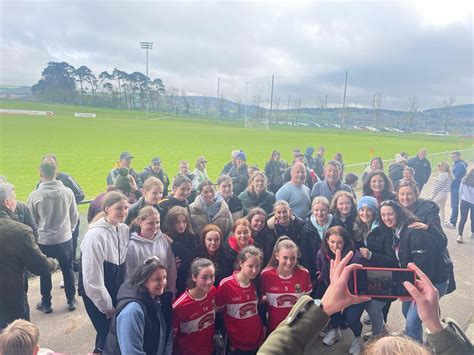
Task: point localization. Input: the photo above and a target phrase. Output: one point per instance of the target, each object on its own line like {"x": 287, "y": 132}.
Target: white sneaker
{"x": 61, "y": 284}
{"x": 333, "y": 336}
{"x": 356, "y": 347}
{"x": 366, "y": 319}
{"x": 459, "y": 239}
{"x": 449, "y": 225}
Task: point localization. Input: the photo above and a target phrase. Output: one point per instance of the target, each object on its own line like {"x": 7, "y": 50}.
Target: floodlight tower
{"x": 146, "y": 46}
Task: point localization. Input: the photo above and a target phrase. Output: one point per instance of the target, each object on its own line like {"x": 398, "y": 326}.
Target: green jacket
{"x": 306, "y": 320}
{"x": 18, "y": 252}
{"x": 303, "y": 323}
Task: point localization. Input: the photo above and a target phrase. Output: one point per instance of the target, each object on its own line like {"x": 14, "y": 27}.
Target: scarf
{"x": 321, "y": 229}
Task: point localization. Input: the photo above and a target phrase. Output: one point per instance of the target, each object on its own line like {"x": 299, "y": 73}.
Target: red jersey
{"x": 241, "y": 319}
{"x": 282, "y": 293}
{"x": 193, "y": 323}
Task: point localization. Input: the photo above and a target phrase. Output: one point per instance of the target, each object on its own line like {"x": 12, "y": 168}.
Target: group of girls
{"x": 210, "y": 263}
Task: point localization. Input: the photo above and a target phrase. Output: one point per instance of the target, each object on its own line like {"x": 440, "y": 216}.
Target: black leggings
{"x": 465, "y": 208}
{"x": 99, "y": 321}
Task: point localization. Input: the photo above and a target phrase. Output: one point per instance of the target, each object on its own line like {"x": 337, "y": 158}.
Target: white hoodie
{"x": 141, "y": 248}
{"x": 104, "y": 250}
{"x": 54, "y": 209}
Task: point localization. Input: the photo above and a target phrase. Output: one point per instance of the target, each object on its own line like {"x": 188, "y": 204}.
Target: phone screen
{"x": 383, "y": 282}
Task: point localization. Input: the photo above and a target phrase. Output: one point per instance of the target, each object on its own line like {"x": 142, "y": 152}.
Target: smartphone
{"x": 382, "y": 282}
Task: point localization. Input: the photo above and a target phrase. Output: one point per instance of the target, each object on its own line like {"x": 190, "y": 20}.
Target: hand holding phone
{"x": 383, "y": 282}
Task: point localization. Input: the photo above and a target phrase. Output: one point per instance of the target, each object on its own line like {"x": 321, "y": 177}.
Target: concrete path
{"x": 72, "y": 332}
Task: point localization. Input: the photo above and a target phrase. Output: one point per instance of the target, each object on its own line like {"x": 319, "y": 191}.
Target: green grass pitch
{"x": 87, "y": 148}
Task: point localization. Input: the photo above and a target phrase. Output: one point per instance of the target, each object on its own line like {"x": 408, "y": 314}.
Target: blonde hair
{"x": 446, "y": 168}
{"x": 254, "y": 176}
{"x": 320, "y": 199}
{"x": 143, "y": 214}
{"x": 281, "y": 203}
{"x": 19, "y": 338}
{"x": 151, "y": 183}
{"x": 392, "y": 345}
{"x": 283, "y": 242}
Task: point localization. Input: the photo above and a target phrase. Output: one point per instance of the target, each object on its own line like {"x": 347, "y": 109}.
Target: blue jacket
{"x": 459, "y": 170}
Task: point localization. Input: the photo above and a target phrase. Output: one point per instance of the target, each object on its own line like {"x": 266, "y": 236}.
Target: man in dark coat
{"x": 18, "y": 252}
{"x": 459, "y": 170}
{"x": 156, "y": 169}
{"x": 422, "y": 168}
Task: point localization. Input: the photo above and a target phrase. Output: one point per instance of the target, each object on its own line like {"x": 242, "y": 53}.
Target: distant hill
{"x": 461, "y": 117}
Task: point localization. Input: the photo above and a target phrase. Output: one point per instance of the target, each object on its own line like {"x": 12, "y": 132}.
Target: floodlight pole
{"x": 146, "y": 46}
{"x": 344, "y": 104}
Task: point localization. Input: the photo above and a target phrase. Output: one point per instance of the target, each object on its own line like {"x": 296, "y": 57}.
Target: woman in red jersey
{"x": 238, "y": 297}
{"x": 283, "y": 281}
{"x": 194, "y": 312}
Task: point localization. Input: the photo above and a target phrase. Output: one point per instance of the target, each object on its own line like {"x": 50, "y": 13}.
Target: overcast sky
{"x": 400, "y": 49}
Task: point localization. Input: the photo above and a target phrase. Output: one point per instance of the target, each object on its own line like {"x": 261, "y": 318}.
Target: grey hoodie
{"x": 54, "y": 209}
{"x": 141, "y": 248}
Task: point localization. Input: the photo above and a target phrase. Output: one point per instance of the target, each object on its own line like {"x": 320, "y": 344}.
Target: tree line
{"x": 61, "y": 82}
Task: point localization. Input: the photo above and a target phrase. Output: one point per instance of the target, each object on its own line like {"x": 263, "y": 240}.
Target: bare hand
{"x": 177, "y": 261}
{"x": 110, "y": 313}
{"x": 418, "y": 225}
{"x": 365, "y": 252}
{"x": 427, "y": 299}
{"x": 337, "y": 296}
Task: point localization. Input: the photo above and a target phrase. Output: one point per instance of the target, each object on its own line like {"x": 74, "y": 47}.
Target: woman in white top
{"x": 442, "y": 187}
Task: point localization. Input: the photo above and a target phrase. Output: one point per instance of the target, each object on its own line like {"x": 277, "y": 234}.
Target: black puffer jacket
{"x": 422, "y": 248}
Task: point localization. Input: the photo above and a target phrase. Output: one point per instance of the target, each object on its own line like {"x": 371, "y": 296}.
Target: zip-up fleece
{"x": 104, "y": 249}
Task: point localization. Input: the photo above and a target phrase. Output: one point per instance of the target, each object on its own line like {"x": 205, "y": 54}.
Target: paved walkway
{"x": 72, "y": 332}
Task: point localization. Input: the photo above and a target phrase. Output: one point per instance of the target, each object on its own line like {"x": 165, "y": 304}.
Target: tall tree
{"x": 57, "y": 83}
{"x": 81, "y": 75}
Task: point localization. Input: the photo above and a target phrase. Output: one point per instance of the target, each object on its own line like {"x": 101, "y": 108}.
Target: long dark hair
{"x": 143, "y": 272}
{"x": 342, "y": 232}
{"x": 202, "y": 245}
{"x": 404, "y": 217}
{"x": 387, "y": 192}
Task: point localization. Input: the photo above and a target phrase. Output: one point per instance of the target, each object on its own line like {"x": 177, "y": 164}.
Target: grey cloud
{"x": 308, "y": 47}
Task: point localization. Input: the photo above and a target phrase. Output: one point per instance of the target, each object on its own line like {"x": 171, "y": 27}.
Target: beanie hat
{"x": 309, "y": 150}
{"x": 368, "y": 201}
{"x": 241, "y": 155}
{"x": 122, "y": 182}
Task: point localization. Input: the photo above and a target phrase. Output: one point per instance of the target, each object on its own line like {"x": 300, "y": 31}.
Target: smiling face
{"x": 407, "y": 175}
{"x": 320, "y": 212}
{"x": 150, "y": 226}
{"x": 242, "y": 235}
{"x": 282, "y": 214}
{"x": 298, "y": 174}
{"x": 205, "y": 279}
{"x": 375, "y": 164}
{"x": 153, "y": 196}
{"x": 377, "y": 184}
{"x": 212, "y": 242}
{"x": 156, "y": 283}
{"x": 117, "y": 213}
{"x": 406, "y": 196}
{"x": 184, "y": 168}
{"x": 366, "y": 215}
{"x": 156, "y": 167}
{"x": 250, "y": 267}
{"x": 258, "y": 184}
{"x": 286, "y": 259}
{"x": 344, "y": 206}
{"x": 335, "y": 242}
{"x": 181, "y": 224}
{"x": 225, "y": 189}
{"x": 331, "y": 174}
{"x": 208, "y": 193}
{"x": 388, "y": 216}
{"x": 258, "y": 222}
{"x": 182, "y": 192}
